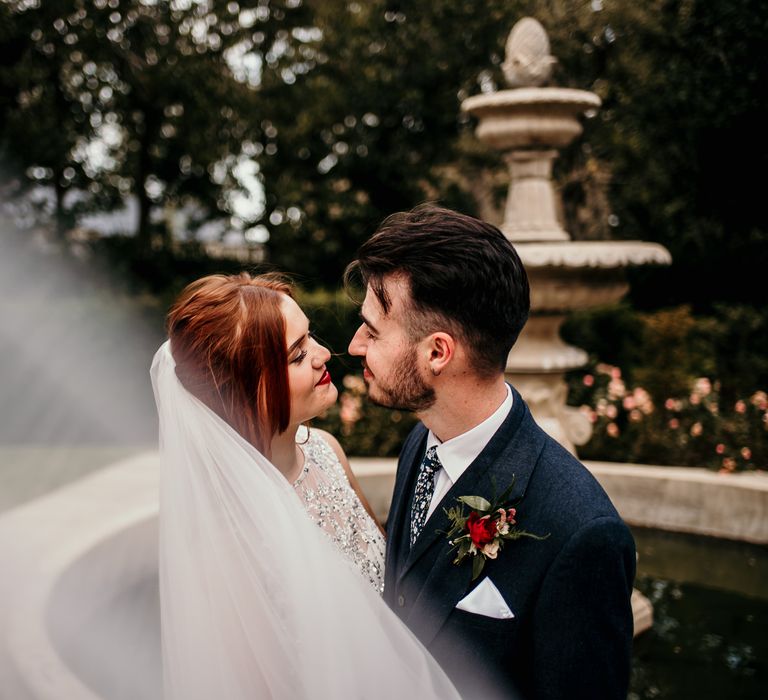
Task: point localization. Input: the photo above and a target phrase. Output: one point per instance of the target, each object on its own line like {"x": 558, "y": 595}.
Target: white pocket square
{"x": 485, "y": 599}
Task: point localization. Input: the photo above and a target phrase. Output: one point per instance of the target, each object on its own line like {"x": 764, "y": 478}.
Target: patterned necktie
{"x": 425, "y": 487}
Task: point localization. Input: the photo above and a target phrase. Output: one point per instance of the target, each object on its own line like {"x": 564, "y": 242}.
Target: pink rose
{"x": 506, "y": 518}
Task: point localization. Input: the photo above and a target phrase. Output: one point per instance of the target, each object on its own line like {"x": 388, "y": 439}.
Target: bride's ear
{"x": 440, "y": 350}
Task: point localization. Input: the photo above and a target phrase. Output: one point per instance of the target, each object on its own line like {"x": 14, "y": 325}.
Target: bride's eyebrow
{"x": 297, "y": 343}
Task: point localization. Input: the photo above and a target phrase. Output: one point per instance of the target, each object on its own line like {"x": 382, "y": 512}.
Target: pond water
{"x": 710, "y": 632}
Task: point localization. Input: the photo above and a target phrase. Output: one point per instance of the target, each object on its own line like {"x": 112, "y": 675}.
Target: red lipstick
{"x": 325, "y": 379}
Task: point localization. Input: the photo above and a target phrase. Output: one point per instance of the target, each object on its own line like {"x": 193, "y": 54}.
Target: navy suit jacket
{"x": 571, "y": 634}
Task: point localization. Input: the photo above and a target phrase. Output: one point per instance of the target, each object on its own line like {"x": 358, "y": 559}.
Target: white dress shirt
{"x": 458, "y": 453}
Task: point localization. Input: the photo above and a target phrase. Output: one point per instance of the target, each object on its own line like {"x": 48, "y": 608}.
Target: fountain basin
{"x": 530, "y": 117}
{"x": 77, "y": 614}
{"x": 569, "y": 276}
{"x": 79, "y": 609}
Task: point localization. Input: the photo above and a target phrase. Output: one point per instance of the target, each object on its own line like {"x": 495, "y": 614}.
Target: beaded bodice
{"x": 332, "y": 503}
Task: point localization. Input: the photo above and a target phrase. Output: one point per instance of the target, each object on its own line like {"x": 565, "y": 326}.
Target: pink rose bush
{"x": 697, "y": 429}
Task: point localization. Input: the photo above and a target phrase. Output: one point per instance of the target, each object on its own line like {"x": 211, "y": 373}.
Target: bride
{"x": 271, "y": 563}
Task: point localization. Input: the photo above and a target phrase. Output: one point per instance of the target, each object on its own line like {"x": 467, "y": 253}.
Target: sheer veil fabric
{"x": 255, "y": 601}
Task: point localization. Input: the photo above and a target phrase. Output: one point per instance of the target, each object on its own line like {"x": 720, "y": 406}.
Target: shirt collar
{"x": 458, "y": 453}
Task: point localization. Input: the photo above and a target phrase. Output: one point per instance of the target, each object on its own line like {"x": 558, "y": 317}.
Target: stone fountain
{"x": 530, "y": 124}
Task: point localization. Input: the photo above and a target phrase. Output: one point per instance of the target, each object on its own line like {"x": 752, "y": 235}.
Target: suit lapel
{"x": 513, "y": 451}
{"x": 398, "y": 522}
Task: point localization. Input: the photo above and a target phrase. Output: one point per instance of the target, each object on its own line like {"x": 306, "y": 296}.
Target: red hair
{"x": 227, "y": 336}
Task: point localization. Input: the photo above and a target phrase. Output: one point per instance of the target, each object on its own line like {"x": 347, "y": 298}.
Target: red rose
{"x": 481, "y": 530}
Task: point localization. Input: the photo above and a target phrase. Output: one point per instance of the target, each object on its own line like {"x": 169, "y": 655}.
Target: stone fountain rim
{"x": 591, "y": 254}
{"x": 531, "y": 97}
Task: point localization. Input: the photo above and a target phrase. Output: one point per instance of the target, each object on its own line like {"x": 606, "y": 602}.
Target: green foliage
{"x": 681, "y": 350}
{"x": 369, "y": 129}
{"x": 123, "y": 263}
{"x": 362, "y": 428}
{"x": 376, "y": 127}
{"x": 134, "y": 98}
{"x": 666, "y": 351}
{"x": 351, "y": 110}
{"x": 686, "y": 391}
{"x": 740, "y": 337}
{"x": 698, "y": 428}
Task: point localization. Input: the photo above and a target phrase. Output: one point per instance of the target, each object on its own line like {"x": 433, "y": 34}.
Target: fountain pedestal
{"x": 530, "y": 210}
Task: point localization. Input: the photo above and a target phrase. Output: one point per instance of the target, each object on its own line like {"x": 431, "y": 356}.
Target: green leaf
{"x": 504, "y": 496}
{"x": 515, "y": 534}
{"x": 475, "y": 502}
{"x": 477, "y": 565}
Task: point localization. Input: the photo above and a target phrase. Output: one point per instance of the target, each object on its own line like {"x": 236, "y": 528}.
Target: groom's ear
{"x": 441, "y": 349}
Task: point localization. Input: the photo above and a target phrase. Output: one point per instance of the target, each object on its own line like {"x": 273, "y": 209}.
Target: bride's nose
{"x": 321, "y": 355}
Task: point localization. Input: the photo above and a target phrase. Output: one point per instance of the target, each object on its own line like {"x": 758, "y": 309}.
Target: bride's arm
{"x": 353, "y": 482}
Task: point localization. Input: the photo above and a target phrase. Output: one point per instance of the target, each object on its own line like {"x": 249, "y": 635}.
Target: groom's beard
{"x": 407, "y": 391}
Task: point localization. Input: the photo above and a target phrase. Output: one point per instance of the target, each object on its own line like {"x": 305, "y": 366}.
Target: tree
{"x": 350, "y": 110}
{"x": 370, "y": 125}
{"x": 374, "y": 125}
{"x": 134, "y": 98}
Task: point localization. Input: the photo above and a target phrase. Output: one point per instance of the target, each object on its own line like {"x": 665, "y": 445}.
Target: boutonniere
{"x": 482, "y": 533}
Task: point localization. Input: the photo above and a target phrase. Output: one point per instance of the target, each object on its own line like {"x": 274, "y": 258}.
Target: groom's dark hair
{"x": 463, "y": 275}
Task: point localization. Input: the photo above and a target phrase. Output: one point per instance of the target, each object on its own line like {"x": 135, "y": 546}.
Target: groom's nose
{"x": 356, "y": 345}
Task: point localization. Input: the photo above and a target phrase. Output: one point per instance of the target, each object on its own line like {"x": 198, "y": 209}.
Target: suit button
{"x": 401, "y": 600}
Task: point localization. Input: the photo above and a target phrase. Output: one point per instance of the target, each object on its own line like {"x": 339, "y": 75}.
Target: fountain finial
{"x": 527, "y": 62}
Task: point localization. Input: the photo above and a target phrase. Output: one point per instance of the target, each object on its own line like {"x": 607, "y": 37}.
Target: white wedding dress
{"x": 256, "y": 600}
{"x": 332, "y": 503}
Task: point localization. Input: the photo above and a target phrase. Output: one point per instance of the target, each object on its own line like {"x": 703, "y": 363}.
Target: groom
{"x": 446, "y": 297}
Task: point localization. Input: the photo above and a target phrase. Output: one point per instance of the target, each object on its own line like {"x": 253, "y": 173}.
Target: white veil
{"x": 255, "y": 601}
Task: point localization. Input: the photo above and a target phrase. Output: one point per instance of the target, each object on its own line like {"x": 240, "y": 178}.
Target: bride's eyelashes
{"x": 300, "y": 357}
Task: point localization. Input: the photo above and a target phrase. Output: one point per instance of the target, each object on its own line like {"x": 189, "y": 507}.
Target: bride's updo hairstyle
{"x": 227, "y": 336}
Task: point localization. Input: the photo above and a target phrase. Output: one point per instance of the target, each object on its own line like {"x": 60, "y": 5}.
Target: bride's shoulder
{"x": 328, "y": 441}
